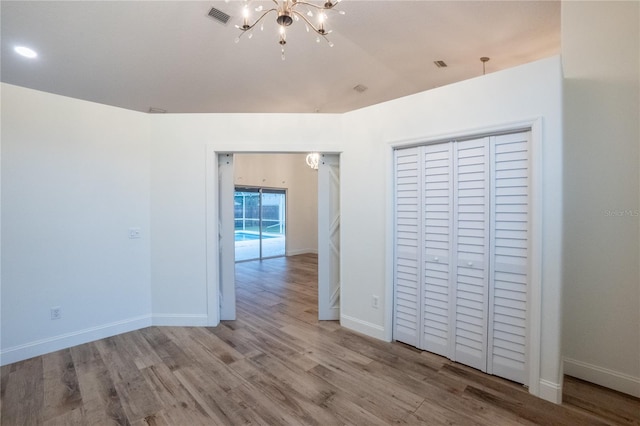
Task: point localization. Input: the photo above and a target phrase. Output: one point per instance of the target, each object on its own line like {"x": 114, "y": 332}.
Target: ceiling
{"x": 171, "y": 55}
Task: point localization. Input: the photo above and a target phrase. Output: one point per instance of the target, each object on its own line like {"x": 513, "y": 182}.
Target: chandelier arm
{"x": 323, "y": 34}
{"x": 323, "y": 7}
{"x": 243, "y": 29}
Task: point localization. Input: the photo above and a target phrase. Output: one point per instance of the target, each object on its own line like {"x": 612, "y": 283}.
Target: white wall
{"x": 181, "y": 147}
{"x": 521, "y": 93}
{"x": 601, "y": 60}
{"x": 179, "y": 150}
{"x": 75, "y": 177}
{"x": 1, "y": 88}
{"x": 288, "y": 171}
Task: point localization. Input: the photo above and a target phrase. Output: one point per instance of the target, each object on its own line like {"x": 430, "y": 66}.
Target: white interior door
{"x": 437, "y": 238}
{"x": 471, "y": 242}
{"x": 507, "y": 343}
{"x": 407, "y": 248}
{"x": 226, "y": 238}
{"x": 461, "y": 251}
{"x": 329, "y": 237}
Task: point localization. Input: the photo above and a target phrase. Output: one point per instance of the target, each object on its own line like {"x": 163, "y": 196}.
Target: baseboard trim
{"x": 301, "y": 251}
{"x": 67, "y": 340}
{"x": 180, "y": 320}
{"x": 550, "y": 391}
{"x": 603, "y": 376}
{"x": 364, "y": 327}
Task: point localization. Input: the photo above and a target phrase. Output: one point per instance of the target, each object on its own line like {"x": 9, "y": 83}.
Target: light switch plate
{"x": 134, "y": 233}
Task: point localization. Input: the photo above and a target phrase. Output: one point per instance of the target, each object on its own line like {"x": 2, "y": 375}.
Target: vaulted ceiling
{"x": 172, "y": 56}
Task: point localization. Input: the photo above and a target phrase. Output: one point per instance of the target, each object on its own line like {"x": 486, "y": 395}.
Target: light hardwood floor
{"x": 277, "y": 365}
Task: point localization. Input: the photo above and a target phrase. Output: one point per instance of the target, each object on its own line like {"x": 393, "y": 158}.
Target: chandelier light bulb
{"x": 245, "y": 18}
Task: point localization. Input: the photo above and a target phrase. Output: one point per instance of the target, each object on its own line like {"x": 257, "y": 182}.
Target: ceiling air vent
{"x": 360, "y": 88}
{"x": 440, "y": 64}
{"x": 219, "y": 15}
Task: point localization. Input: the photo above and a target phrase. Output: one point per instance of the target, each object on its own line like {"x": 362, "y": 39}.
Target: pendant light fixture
{"x": 484, "y": 61}
{"x": 287, "y": 12}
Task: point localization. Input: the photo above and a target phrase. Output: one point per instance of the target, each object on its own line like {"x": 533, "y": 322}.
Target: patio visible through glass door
{"x": 260, "y": 223}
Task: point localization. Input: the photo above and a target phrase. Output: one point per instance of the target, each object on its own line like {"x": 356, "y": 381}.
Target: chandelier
{"x": 288, "y": 11}
{"x": 313, "y": 160}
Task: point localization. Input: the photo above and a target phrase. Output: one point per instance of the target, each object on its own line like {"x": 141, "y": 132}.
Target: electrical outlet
{"x": 375, "y": 302}
{"x": 56, "y": 312}
{"x": 134, "y": 233}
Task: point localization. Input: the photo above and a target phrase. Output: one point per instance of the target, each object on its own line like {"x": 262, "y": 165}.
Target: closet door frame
{"x": 534, "y": 291}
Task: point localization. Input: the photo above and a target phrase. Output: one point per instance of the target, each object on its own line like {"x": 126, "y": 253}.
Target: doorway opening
{"x": 259, "y": 223}
{"x": 297, "y": 212}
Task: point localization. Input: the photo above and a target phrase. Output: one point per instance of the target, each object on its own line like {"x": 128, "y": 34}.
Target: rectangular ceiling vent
{"x": 440, "y": 64}
{"x": 360, "y": 88}
{"x": 219, "y": 15}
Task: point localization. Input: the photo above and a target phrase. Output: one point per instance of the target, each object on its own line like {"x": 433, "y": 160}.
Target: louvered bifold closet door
{"x": 408, "y": 243}
{"x": 438, "y": 241}
{"x": 509, "y": 256}
{"x": 471, "y": 242}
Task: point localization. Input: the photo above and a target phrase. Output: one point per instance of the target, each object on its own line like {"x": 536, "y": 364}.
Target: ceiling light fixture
{"x": 313, "y": 160}
{"x": 288, "y": 11}
{"x": 26, "y": 52}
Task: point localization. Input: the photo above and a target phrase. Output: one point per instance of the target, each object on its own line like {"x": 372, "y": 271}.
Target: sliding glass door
{"x": 260, "y": 223}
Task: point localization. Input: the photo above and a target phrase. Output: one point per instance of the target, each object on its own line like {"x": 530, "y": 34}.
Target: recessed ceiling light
{"x": 25, "y": 51}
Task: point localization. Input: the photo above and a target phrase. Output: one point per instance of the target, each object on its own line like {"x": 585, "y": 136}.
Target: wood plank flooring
{"x": 277, "y": 365}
